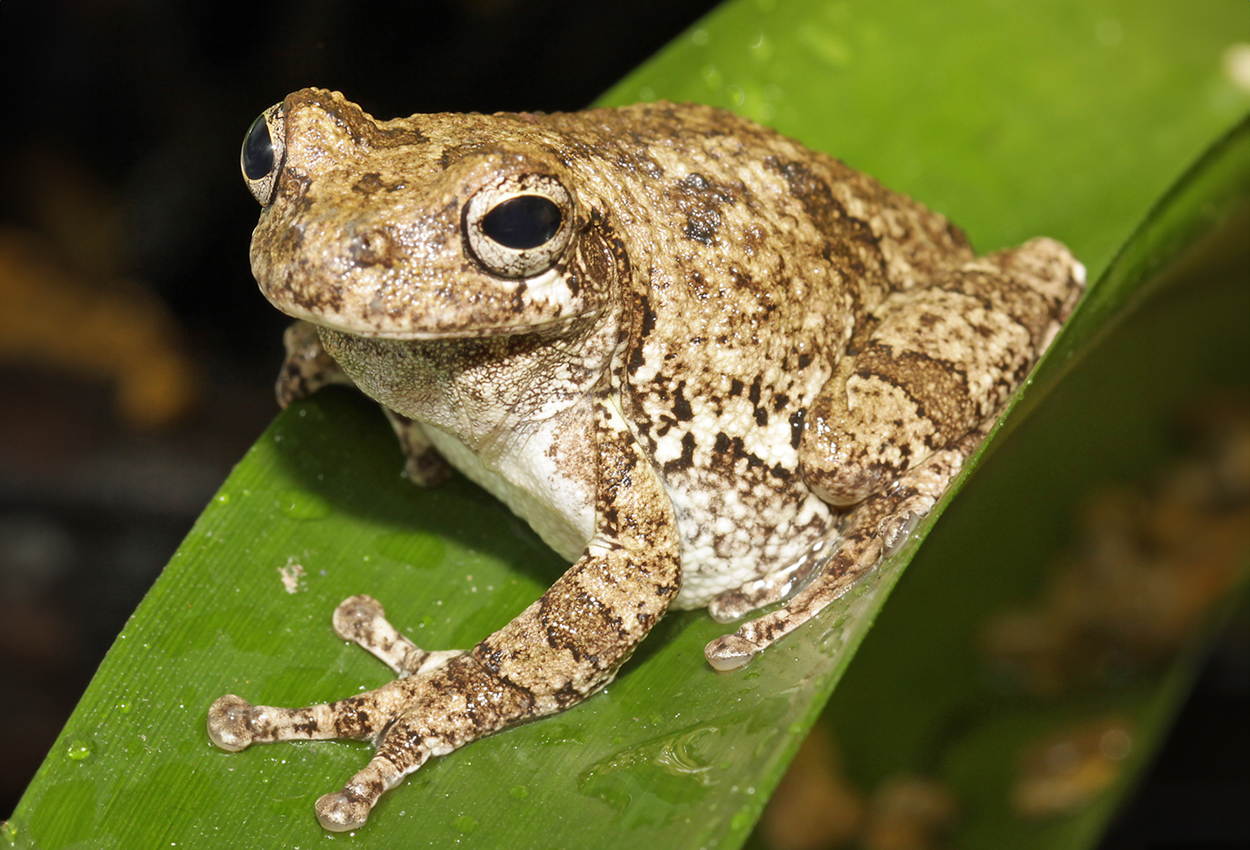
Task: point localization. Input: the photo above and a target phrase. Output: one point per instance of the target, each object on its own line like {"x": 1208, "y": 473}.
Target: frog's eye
{"x": 263, "y": 149}
{"x": 520, "y": 225}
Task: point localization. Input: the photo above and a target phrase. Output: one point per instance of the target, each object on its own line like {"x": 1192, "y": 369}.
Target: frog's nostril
{"x": 371, "y": 247}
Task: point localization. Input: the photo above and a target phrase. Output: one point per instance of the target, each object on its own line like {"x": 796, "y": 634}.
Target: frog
{"x": 710, "y": 367}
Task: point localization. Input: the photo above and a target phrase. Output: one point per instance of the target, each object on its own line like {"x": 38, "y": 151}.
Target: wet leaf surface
{"x": 1069, "y": 119}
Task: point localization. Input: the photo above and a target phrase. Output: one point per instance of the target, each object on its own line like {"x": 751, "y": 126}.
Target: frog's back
{"x": 752, "y": 256}
{"x": 752, "y": 260}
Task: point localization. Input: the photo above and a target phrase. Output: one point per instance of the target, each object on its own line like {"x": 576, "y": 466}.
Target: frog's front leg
{"x": 309, "y": 367}
{"x": 561, "y": 649}
{"x": 915, "y": 396}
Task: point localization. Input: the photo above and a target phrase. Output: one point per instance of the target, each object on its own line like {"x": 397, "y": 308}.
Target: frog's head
{"x": 429, "y": 227}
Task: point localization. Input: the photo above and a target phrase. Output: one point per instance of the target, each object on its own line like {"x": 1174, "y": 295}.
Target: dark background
{"x": 119, "y": 172}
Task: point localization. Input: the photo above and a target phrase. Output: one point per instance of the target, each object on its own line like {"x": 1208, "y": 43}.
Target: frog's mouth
{"x": 420, "y": 311}
{"x": 479, "y": 332}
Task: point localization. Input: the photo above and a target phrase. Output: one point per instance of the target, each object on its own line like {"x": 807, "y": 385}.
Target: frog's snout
{"x": 370, "y": 246}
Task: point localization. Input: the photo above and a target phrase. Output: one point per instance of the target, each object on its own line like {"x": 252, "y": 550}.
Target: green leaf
{"x": 1068, "y": 119}
{"x": 920, "y": 698}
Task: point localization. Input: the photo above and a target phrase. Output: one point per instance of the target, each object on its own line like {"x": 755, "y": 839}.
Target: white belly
{"x": 528, "y": 480}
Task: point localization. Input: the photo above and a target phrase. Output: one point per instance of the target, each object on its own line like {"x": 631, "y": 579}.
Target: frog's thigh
{"x": 879, "y": 523}
{"x": 939, "y": 362}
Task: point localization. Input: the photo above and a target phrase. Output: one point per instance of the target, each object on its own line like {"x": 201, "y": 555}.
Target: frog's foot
{"x": 409, "y": 720}
{"x": 733, "y": 604}
{"x": 362, "y": 620}
{"x": 308, "y": 367}
{"x": 876, "y": 528}
{"x": 234, "y": 723}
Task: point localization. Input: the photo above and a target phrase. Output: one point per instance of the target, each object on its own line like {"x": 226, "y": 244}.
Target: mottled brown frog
{"x": 709, "y": 366}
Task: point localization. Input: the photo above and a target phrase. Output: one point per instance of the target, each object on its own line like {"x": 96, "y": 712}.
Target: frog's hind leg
{"x": 934, "y": 365}
{"x": 920, "y": 391}
{"x": 873, "y": 530}
{"x": 734, "y": 604}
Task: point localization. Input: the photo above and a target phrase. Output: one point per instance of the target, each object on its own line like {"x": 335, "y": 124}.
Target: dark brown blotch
{"x": 681, "y": 407}
{"x": 796, "y": 426}
{"x": 686, "y": 459}
{"x": 938, "y": 388}
{"x": 700, "y": 200}
{"x": 582, "y": 625}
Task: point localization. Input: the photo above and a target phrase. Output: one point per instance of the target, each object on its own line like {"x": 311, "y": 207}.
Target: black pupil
{"x": 523, "y": 222}
{"x": 257, "y": 150}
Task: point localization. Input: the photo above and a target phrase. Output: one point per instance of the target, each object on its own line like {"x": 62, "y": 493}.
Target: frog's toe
{"x": 400, "y": 752}
{"x": 362, "y": 619}
{"x": 730, "y": 652}
{"x": 729, "y": 606}
{"x": 355, "y": 616}
{"x": 897, "y": 532}
{"x": 230, "y": 723}
{"x": 342, "y": 811}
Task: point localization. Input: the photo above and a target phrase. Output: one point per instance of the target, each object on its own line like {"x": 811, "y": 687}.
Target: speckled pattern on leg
{"x": 562, "y": 648}
{"x": 362, "y": 620}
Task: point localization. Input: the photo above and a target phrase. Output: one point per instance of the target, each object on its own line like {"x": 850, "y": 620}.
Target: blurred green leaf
{"x": 1067, "y": 118}
{"x": 920, "y": 697}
